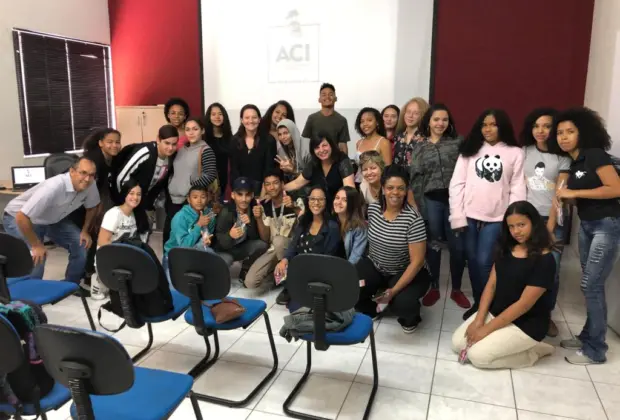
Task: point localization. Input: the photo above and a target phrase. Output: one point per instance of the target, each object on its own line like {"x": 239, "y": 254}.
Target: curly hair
{"x": 91, "y": 142}
{"x": 380, "y": 124}
{"x": 264, "y": 127}
{"x": 539, "y": 240}
{"x": 210, "y": 128}
{"x": 592, "y": 131}
{"x": 176, "y": 101}
{"x": 425, "y": 127}
{"x": 526, "y": 138}
{"x": 475, "y": 139}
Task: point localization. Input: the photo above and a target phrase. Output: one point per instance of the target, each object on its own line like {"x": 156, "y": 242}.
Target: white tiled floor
{"x": 419, "y": 376}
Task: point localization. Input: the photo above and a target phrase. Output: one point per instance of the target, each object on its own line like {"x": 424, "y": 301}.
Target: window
{"x": 64, "y": 90}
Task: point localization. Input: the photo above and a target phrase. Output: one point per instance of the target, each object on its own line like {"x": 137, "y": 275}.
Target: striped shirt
{"x": 389, "y": 241}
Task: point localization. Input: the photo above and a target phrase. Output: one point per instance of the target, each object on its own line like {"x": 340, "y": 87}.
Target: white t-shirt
{"x": 115, "y": 221}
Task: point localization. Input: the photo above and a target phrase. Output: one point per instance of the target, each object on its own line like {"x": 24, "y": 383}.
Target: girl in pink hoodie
{"x": 488, "y": 177}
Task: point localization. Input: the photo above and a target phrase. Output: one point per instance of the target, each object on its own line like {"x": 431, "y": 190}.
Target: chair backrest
{"x": 58, "y": 163}
{"x": 118, "y": 263}
{"x": 15, "y": 261}
{"x": 208, "y": 272}
{"x": 323, "y": 283}
{"x": 11, "y": 348}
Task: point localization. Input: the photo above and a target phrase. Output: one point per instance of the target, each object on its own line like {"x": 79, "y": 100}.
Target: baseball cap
{"x": 242, "y": 184}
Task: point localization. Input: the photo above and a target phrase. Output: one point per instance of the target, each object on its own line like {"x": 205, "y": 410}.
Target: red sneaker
{"x": 460, "y": 299}
{"x": 431, "y": 297}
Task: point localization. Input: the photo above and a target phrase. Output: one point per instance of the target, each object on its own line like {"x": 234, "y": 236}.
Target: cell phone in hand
{"x": 379, "y": 295}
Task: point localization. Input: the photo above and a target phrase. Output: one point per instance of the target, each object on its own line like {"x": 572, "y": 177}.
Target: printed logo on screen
{"x": 293, "y": 51}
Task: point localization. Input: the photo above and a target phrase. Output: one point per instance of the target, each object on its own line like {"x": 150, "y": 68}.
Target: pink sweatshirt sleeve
{"x": 457, "y": 193}
{"x": 517, "y": 182}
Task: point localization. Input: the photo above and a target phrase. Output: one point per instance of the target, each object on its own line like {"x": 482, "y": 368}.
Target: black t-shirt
{"x": 583, "y": 176}
{"x": 513, "y": 275}
{"x": 332, "y": 182}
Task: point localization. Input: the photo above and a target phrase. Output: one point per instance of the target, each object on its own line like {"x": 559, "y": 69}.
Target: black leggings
{"x": 406, "y": 304}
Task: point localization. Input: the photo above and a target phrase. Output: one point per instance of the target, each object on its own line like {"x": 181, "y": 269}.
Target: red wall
{"x": 156, "y": 51}
{"x": 515, "y": 55}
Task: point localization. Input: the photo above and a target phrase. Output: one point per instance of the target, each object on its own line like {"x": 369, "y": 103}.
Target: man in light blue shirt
{"x": 42, "y": 210}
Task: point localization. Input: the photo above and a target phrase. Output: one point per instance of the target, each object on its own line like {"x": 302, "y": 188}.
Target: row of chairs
{"x": 323, "y": 283}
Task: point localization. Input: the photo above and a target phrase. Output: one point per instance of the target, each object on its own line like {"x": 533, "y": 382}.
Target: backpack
{"x": 156, "y": 303}
{"x": 31, "y": 381}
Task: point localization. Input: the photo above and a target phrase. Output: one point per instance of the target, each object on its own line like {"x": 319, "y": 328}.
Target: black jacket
{"x": 138, "y": 161}
{"x": 225, "y": 221}
{"x": 253, "y": 164}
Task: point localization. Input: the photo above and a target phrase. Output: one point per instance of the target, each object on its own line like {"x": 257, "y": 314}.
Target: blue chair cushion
{"x": 42, "y": 292}
{"x": 154, "y": 395}
{"x": 55, "y": 399}
{"x": 180, "y": 304}
{"x": 355, "y": 333}
{"x": 13, "y": 280}
{"x": 253, "y": 309}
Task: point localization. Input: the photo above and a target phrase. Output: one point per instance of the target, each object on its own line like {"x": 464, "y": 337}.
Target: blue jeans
{"x": 598, "y": 249}
{"x": 438, "y": 224}
{"x": 557, "y": 255}
{"x": 65, "y": 234}
{"x": 480, "y": 245}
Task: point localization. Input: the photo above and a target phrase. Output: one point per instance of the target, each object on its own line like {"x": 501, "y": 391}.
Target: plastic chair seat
{"x": 13, "y": 280}
{"x": 355, "y": 333}
{"x": 42, "y": 292}
{"x": 55, "y": 399}
{"x": 154, "y": 395}
{"x": 180, "y": 304}
{"x": 253, "y": 309}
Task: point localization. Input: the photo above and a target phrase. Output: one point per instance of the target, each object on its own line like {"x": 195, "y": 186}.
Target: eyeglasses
{"x": 85, "y": 174}
{"x": 316, "y": 200}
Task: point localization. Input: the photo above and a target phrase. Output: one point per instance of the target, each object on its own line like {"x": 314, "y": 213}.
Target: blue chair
{"x": 16, "y": 261}
{"x": 206, "y": 277}
{"x": 102, "y": 380}
{"x": 12, "y": 358}
{"x": 325, "y": 283}
{"x": 131, "y": 271}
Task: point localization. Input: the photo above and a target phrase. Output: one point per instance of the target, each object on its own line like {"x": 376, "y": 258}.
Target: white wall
{"x": 86, "y": 20}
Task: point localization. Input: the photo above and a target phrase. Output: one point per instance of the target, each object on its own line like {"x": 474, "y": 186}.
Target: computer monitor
{"x": 25, "y": 177}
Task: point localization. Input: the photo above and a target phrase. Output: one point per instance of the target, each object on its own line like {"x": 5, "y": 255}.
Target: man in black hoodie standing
{"x": 237, "y": 232}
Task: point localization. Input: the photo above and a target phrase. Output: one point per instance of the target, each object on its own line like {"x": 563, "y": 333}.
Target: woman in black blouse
{"x": 330, "y": 168}
{"x": 594, "y": 187}
{"x": 513, "y": 317}
{"x": 218, "y": 135}
{"x": 251, "y": 155}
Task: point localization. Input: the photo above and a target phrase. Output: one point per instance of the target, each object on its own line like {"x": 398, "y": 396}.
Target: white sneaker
{"x": 98, "y": 291}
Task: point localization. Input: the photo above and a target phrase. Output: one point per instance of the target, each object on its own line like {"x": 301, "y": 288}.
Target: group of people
{"x": 414, "y": 188}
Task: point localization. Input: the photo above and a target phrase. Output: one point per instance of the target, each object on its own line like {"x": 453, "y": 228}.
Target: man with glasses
{"x": 42, "y": 210}
{"x": 275, "y": 219}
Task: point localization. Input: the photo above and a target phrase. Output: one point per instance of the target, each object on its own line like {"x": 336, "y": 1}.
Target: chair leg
{"x": 261, "y": 385}
{"x": 87, "y": 309}
{"x": 195, "y": 406}
{"x": 375, "y": 375}
{"x": 145, "y": 350}
{"x": 202, "y": 366}
{"x": 43, "y": 416}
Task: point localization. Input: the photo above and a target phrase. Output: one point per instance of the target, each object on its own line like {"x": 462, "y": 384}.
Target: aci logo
{"x": 293, "y": 51}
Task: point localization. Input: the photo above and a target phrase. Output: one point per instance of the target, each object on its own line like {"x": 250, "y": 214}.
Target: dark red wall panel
{"x": 156, "y": 51}
{"x": 511, "y": 54}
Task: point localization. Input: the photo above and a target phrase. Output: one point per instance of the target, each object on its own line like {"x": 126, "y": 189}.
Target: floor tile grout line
{"x": 597, "y": 394}
{"x": 514, "y": 394}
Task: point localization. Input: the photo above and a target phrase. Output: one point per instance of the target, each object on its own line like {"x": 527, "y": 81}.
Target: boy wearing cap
{"x": 237, "y": 230}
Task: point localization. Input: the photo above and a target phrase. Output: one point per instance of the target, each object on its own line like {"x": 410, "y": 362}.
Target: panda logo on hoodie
{"x": 489, "y": 168}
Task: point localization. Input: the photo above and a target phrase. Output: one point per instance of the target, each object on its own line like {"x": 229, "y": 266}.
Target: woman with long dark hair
{"x": 251, "y": 156}
{"x": 194, "y": 165}
{"x": 353, "y": 230}
{"x": 277, "y": 112}
{"x": 218, "y": 135}
{"x": 395, "y": 272}
{"x": 369, "y": 125}
{"x": 329, "y": 168}
{"x": 316, "y": 233}
{"x": 512, "y": 320}
{"x": 594, "y": 187}
{"x": 390, "y": 115}
{"x": 487, "y": 178}
{"x": 544, "y": 173}
{"x": 432, "y": 166}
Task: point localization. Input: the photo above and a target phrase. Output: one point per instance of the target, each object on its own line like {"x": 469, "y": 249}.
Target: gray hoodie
{"x": 302, "y": 145}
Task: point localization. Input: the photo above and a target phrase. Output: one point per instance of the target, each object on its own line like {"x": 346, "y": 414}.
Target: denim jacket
{"x": 355, "y": 243}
